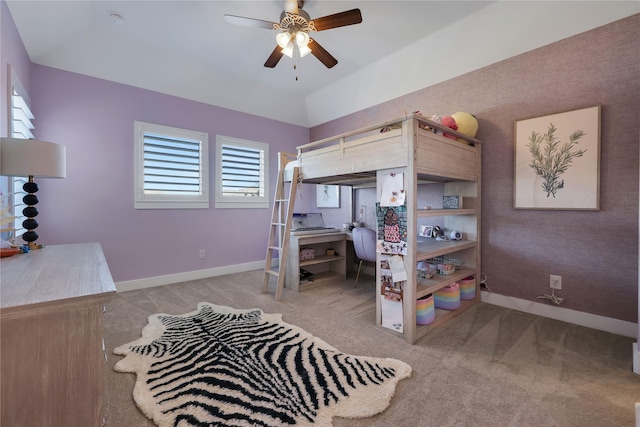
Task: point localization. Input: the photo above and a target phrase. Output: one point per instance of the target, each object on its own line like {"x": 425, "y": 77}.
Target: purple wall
{"x": 596, "y": 253}
{"x": 94, "y": 118}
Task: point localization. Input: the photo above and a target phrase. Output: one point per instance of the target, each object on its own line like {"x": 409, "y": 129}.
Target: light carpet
{"x": 221, "y": 366}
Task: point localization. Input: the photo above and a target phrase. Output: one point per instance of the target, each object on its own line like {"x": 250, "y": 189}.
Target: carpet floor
{"x": 490, "y": 366}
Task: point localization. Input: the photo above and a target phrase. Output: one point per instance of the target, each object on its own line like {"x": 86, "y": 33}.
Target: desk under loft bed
{"x": 409, "y": 146}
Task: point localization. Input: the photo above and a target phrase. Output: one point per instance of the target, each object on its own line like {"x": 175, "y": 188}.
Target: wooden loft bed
{"x": 411, "y": 147}
{"x": 354, "y": 157}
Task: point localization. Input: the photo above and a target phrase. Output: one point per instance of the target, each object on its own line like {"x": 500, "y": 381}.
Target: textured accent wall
{"x": 595, "y": 252}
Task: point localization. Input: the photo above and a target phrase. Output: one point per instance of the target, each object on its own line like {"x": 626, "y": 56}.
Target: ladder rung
{"x": 278, "y": 213}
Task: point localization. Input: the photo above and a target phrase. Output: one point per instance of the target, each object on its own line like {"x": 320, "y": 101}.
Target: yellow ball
{"x": 467, "y": 123}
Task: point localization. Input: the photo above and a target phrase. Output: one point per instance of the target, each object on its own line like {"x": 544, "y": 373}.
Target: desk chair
{"x": 364, "y": 243}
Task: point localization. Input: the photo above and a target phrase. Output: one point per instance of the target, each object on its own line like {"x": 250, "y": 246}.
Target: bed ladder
{"x": 280, "y": 229}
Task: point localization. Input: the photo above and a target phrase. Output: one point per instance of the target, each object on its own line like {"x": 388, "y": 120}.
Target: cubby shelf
{"x": 429, "y": 286}
{"x": 432, "y": 248}
{"x": 422, "y": 213}
{"x": 320, "y": 259}
{"x": 324, "y": 268}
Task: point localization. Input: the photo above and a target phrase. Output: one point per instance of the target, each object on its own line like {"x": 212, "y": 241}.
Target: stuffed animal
{"x": 467, "y": 123}
{"x": 450, "y": 122}
{"x": 435, "y": 118}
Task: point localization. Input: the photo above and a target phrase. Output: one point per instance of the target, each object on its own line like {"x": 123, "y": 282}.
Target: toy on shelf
{"x": 467, "y": 123}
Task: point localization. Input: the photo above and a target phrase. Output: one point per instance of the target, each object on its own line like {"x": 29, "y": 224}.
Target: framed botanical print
{"x": 557, "y": 161}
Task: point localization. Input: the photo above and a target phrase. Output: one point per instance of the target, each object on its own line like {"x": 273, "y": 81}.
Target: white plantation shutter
{"x": 171, "y": 165}
{"x": 242, "y": 172}
{"x": 21, "y": 117}
{"x": 21, "y": 127}
{"x": 171, "y": 168}
{"x": 242, "y": 177}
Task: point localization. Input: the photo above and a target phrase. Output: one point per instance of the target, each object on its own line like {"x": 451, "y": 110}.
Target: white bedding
{"x": 288, "y": 169}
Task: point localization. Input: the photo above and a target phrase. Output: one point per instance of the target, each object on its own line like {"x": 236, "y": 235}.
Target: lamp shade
{"x": 283, "y": 39}
{"x": 30, "y": 157}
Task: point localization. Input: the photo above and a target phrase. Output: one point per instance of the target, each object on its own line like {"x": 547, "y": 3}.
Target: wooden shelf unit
{"x": 324, "y": 267}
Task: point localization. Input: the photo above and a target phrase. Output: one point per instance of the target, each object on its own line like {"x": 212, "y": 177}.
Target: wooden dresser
{"x": 52, "y": 350}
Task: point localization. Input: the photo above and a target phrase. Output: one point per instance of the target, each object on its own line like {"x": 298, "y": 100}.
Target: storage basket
{"x": 445, "y": 266}
{"x": 307, "y": 254}
{"x": 467, "y": 288}
{"x": 446, "y": 269}
{"x": 448, "y": 298}
{"x": 425, "y": 310}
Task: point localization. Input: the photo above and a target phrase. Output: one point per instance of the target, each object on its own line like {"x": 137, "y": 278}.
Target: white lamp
{"x": 302, "y": 40}
{"x": 31, "y": 158}
{"x": 286, "y": 40}
{"x": 283, "y": 39}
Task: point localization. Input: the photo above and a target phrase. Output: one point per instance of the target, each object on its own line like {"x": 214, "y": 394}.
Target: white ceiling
{"x": 159, "y": 38}
{"x": 185, "y": 48}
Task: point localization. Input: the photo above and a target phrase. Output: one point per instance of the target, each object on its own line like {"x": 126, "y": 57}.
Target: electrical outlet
{"x": 203, "y": 254}
{"x": 555, "y": 282}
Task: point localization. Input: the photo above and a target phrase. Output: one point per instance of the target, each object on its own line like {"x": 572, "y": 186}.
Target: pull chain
{"x": 296, "y": 55}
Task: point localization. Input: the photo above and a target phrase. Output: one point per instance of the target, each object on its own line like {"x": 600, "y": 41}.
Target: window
{"x": 172, "y": 169}
{"x": 21, "y": 127}
{"x": 242, "y": 173}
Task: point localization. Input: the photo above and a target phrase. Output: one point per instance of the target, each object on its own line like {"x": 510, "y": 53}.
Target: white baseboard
{"x": 150, "y": 282}
{"x": 601, "y": 323}
{"x": 620, "y": 327}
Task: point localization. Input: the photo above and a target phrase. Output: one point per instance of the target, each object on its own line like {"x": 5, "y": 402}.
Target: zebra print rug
{"x": 219, "y": 366}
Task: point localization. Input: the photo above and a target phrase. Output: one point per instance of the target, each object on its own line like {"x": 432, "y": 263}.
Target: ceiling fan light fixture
{"x": 288, "y": 50}
{"x": 302, "y": 39}
{"x": 304, "y": 51}
{"x": 283, "y": 39}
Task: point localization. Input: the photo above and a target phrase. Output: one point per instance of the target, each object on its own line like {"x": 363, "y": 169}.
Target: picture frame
{"x": 426, "y": 231}
{"x": 327, "y": 196}
{"x": 557, "y": 161}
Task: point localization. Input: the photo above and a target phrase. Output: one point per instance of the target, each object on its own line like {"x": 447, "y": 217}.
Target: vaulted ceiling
{"x": 185, "y": 48}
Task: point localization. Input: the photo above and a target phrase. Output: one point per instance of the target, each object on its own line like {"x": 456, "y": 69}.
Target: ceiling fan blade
{"x": 320, "y": 53}
{"x": 341, "y": 19}
{"x": 248, "y": 22}
{"x": 274, "y": 58}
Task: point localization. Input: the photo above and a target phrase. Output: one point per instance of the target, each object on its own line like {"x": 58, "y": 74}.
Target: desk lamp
{"x": 31, "y": 158}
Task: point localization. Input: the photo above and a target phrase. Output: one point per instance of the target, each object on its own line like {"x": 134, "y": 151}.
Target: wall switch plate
{"x": 203, "y": 254}
{"x": 555, "y": 282}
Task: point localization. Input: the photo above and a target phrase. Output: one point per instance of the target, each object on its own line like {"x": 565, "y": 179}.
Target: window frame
{"x": 18, "y": 95}
{"x": 234, "y": 202}
{"x": 143, "y": 200}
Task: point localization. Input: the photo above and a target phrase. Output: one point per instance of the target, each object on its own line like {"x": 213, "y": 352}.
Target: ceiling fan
{"x": 293, "y": 31}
